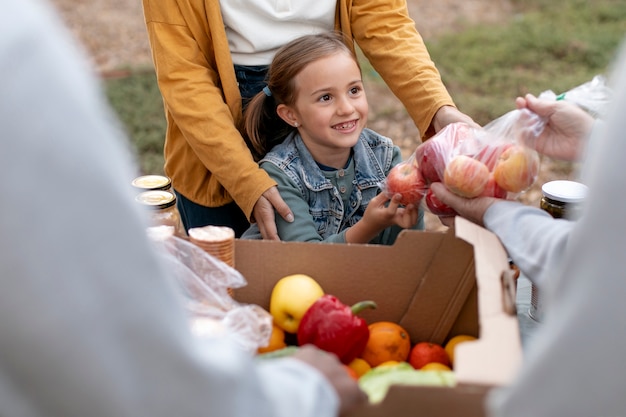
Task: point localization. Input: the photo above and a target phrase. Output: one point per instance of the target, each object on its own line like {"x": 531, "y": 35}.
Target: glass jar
{"x": 562, "y": 200}
{"x": 161, "y": 207}
{"x": 152, "y": 182}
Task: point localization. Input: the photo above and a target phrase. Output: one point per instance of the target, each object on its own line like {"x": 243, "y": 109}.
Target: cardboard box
{"x": 436, "y": 285}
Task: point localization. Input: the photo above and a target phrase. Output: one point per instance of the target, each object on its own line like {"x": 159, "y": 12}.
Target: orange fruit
{"x": 435, "y": 366}
{"x": 426, "y": 352}
{"x": 388, "y": 364}
{"x": 277, "y": 340}
{"x": 360, "y": 366}
{"x": 388, "y": 341}
{"x": 453, "y": 342}
{"x": 350, "y": 371}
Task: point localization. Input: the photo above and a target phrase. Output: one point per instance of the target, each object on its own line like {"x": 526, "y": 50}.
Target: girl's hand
{"x": 379, "y": 215}
{"x": 405, "y": 217}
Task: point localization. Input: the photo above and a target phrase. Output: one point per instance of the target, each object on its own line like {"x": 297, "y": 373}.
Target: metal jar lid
{"x": 152, "y": 182}
{"x": 565, "y": 191}
{"x": 156, "y": 199}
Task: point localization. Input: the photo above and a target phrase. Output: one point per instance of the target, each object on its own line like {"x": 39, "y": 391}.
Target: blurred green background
{"x": 544, "y": 45}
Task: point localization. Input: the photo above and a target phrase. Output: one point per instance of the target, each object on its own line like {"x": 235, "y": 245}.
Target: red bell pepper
{"x": 334, "y": 327}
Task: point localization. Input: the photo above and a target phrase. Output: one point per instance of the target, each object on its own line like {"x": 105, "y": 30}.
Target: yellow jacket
{"x": 205, "y": 155}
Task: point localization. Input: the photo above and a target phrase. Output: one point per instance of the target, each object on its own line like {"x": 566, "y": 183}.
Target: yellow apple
{"x": 291, "y": 297}
{"x": 466, "y": 176}
{"x": 517, "y": 168}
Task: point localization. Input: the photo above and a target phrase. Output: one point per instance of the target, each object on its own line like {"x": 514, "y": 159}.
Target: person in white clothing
{"x": 90, "y": 324}
{"x": 572, "y": 365}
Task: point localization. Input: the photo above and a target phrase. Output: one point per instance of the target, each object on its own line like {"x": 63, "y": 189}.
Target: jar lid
{"x": 565, "y": 191}
{"x": 152, "y": 182}
{"x": 156, "y": 199}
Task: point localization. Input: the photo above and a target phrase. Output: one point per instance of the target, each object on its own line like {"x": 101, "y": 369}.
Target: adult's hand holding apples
{"x": 449, "y": 114}
{"x": 350, "y": 395}
{"x": 472, "y": 209}
{"x": 379, "y": 215}
{"x": 567, "y": 128}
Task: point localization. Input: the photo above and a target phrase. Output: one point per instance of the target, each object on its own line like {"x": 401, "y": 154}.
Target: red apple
{"x": 466, "y": 176}
{"x": 405, "y": 179}
{"x": 436, "y": 206}
{"x": 492, "y": 189}
{"x": 433, "y": 154}
{"x": 517, "y": 168}
{"x": 431, "y": 158}
{"x": 491, "y": 152}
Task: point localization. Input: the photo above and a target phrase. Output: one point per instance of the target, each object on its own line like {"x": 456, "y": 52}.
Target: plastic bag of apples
{"x": 497, "y": 160}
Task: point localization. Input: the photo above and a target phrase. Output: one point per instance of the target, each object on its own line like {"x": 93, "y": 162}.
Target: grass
{"x": 545, "y": 45}
{"x": 137, "y": 101}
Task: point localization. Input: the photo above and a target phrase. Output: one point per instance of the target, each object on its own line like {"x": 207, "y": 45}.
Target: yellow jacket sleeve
{"x": 387, "y": 36}
{"x": 206, "y": 156}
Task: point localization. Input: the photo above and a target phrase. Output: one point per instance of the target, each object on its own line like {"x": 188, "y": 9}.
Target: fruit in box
{"x": 466, "y": 176}
{"x": 291, "y": 297}
{"x": 427, "y": 352}
{"x": 388, "y": 341}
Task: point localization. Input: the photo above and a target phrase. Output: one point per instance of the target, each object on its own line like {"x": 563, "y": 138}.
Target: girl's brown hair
{"x": 262, "y": 125}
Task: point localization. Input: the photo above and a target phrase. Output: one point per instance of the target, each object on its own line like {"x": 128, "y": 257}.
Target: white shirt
{"x": 257, "y": 28}
{"x": 90, "y": 324}
{"x": 574, "y": 362}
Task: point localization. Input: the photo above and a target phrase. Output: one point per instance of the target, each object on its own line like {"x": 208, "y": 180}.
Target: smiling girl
{"x": 327, "y": 164}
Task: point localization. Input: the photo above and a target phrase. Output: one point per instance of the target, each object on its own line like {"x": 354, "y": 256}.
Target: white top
{"x": 257, "y": 28}
{"x": 574, "y": 362}
{"x": 90, "y": 324}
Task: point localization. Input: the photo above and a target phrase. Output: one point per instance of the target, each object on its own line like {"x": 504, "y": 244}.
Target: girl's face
{"x": 330, "y": 108}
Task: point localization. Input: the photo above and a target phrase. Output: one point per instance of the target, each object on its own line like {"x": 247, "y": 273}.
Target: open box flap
{"x": 496, "y": 356}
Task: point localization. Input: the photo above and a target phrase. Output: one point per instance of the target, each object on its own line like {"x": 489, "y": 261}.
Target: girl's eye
{"x": 325, "y": 97}
{"x": 355, "y": 90}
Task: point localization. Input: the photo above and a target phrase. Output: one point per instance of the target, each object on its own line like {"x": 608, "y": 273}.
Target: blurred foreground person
{"x": 90, "y": 323}
{"x": 572, "y": 363}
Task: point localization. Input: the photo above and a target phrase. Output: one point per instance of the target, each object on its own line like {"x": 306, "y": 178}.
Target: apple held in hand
{"x": 291, "y": 297}
{"x": 492, "y": 189}
{"x": 405, "y": 179}
{"x": 433, "y": 154}
{"x": 436, "y": 206}
{"x": 517, "y": 168}
{"x": 466, "y": 176}
{"x": 431, "y": 159}
{"x": 490, "y": 154}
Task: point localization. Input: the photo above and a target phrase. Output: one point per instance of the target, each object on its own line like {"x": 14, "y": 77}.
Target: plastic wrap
{"x": 203, "y": 283}
{"x": 497, "y": 160}
{"x": 593, "y": 96}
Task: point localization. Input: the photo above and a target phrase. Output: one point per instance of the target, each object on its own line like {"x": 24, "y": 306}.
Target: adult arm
{"x": 562, "y": 375}
{"x": 534, "y": 240}
{"x": 388, "y": 37}
{"x": 91, "y": 324}
{"x": 200, "y": 107}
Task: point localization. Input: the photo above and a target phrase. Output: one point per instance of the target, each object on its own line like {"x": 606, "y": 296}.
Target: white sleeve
{"x": 533, "y": 239}
{"x": 90, "y": 323}
{"x": 572, "y": 367}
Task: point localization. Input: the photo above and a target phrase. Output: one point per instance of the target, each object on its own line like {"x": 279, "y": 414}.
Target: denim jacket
{"x": 373, "y": 155}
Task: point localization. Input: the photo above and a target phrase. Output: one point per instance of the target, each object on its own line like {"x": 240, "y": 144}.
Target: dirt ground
{"x": 114, "y": 35}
